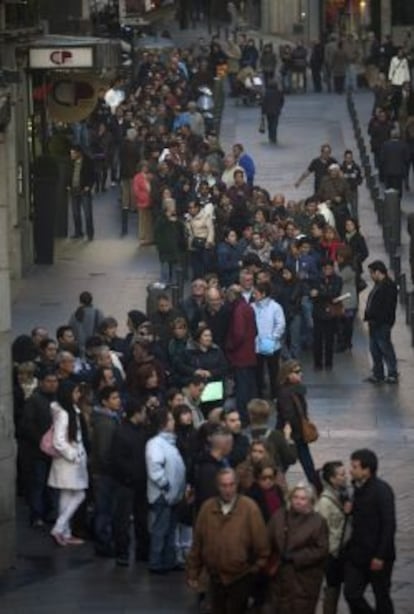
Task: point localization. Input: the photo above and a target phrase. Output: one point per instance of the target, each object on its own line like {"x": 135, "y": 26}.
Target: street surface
{"x": 348, "y": 412}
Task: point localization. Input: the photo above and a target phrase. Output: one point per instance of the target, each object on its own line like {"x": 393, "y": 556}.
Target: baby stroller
{"x": 250, "y": 87}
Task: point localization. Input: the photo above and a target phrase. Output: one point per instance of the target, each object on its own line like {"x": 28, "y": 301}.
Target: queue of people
{"x": 186, "y": 427}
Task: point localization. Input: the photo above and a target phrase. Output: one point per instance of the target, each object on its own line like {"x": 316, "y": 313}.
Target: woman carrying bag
{"x": 68, "y": 472}
{"x": 292, "y": 409}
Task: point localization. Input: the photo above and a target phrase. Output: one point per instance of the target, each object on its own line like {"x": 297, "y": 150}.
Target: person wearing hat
{"x": 380, "y": 315}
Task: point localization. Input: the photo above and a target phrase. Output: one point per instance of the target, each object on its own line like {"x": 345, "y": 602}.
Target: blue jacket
{"x": 270, "y": 322}
{"x": 165, "y": 469}
{"x": 247, "y": 164}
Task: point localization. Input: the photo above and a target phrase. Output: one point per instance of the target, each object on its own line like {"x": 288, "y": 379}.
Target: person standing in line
{"x": 351, "y": 171}
{"x": 165, "y": 489}
{"x": 85, "y": 320}
{"x": 370, "y": 552}
{"x": 270, "y": 323}
{"x": 142, "y": 192}
{"x": 240, "y": 348}
{"x": 380, "y": 315}
{"x": 68, "y": 472}
{"x": 272, "y": 106}
{"x": 394, "y": 160}
{"x": 335, "y": 506}
{"x": 299, "y": 546}
{"x": 80, "y": 188}
{"x": 230, "y": 541}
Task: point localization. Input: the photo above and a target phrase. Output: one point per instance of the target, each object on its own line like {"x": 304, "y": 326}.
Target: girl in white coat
{"x": 68, "y": 472}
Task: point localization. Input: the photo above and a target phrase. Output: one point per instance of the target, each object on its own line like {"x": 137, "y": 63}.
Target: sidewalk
{"x": 348, "y": 412}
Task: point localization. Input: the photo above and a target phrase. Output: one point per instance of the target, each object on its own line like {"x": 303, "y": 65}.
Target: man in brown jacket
{"x": 230, "y": 541}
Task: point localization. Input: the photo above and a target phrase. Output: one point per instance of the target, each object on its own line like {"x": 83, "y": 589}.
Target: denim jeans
{"x": 104, "y": 489}
{"x": 168, "y": 272}
{"x": 351, "y": 84}
{"x": 382, "y": 351}
{"x": 82, "y": 201}
{"x": 292, "y": 343}
{"x": 245, "y": 389}
{"x": 271, "y": 363}
{"x": 42, "y": 499}
{"x": 306, "y": 460}
{"x": 163, "y": 523}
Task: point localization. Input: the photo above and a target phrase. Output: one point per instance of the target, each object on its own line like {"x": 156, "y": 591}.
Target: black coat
{"x": 127, "y": 454}
{"x": 218, "y": 323}
{"x": 273, "y": 101}
{"x": 36, "y": 420}
{"x": 328, "y": 288}
{"x": 205, "y": 474}
{"x": 239, "y": 450}
{"x": 373, "y": 524}
{"x": 382, "y": 303}
{"x": 212, "y": 360}
{"x": 395, "y": 157}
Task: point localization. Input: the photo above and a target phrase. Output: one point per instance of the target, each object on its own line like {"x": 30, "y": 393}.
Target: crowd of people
{"x": 188, "y": 425}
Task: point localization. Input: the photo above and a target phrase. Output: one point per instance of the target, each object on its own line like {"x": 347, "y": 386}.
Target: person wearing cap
{"x": 380, "y": 315}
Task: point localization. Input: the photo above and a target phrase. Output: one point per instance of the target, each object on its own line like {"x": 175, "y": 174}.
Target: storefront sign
{"x": 72, "y": 98}
{"x": 65, "y": 57}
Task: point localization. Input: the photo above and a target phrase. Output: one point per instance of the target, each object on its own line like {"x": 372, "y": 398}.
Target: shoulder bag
{"x": 46, "y": 444}
{"x": 309, "y": 430}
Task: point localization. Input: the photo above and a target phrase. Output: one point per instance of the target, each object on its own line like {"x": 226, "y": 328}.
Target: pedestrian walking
{"x": 80, "y": 189}
{"x": 272, "y": 106}
{"x": 370, "y": 552}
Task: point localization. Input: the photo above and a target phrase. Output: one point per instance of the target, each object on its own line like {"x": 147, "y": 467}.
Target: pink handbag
{"x": 46, "y": 444}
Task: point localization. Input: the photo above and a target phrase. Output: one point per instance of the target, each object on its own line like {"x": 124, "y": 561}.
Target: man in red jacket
{"x": 240, "y": 349}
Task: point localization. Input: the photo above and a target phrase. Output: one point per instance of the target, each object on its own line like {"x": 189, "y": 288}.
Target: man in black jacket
{"x": 80, "y": 186}
{"x": 129, "y": 471}
{"x": 380, "y": 315}
{"x": 395, "y": 158}
{"x": 209, "y": 464}
{"x": 370, "y": 552}
{"x": 272, "y": 106}
{"x": 36, "y": 420}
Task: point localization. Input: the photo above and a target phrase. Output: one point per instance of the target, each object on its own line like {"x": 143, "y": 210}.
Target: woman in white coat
{"x": 68, "y": 472}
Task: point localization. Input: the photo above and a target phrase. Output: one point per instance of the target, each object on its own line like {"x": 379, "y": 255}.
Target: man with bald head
{"x": 215, "y": 316}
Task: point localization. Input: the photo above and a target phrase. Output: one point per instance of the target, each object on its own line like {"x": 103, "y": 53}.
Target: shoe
{"x": 374, "y": 380}
{"x": 59, "y": 539}
{"x": 122, "y": 562}
{"x": 391, "y": 379}
{"x": 74, "y": 541}
{"x": 77, "y": 236}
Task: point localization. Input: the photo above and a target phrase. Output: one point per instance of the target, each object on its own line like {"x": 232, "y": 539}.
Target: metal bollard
{"x": 392, "y": 205}
{"x": 379, "y": 205}
{"x": 180, "y": 283}
{"x": 402, "y": 285}
{"x": 409, "y": 307}
{"x": 395, "y": 263}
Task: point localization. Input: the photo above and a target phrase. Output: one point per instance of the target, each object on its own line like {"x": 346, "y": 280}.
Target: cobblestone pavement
{"x": 349, "y": 413}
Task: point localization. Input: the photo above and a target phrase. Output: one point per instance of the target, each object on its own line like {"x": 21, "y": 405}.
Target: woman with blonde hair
{"x": 300, "y": 547}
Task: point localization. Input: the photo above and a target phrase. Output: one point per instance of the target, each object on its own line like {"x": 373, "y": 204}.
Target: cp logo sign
{"x": 60, "y": 57}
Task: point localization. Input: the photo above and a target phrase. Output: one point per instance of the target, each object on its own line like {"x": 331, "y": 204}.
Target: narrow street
{"x": 348, "y": 412}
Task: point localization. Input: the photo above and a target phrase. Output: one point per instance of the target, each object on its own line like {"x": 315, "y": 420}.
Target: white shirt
{"x": 399, "y": 71}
